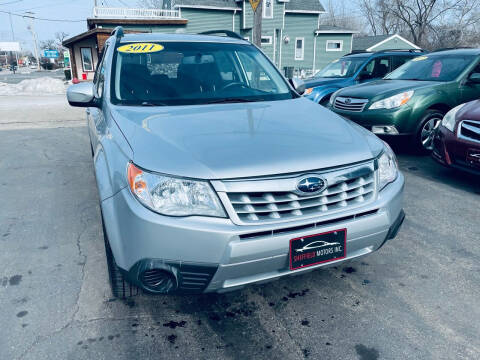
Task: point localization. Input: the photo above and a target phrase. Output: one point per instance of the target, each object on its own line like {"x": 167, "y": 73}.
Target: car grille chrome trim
{"x": 350, "y": 104}
{"x": 261, "y": 201}
{"x": 469, "y": 130}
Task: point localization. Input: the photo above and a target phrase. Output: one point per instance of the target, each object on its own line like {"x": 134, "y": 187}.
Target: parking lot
{"x": 417, "y": 298}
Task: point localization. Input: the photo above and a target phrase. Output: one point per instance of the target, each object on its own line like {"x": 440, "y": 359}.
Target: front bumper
{"x": 232, "y": 255}
{"x": 400, "y": 118}
{"x": 452, "y": 152}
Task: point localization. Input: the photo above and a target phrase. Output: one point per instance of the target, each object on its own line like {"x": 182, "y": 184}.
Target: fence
{"x": 124, "y": 13}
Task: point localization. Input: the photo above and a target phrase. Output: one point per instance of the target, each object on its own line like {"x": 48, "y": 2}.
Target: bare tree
{"x": 428, "y": 23}
{"x": 380, "y": 18}
{"x": 60, "y": 36}
{"x": 339, "y": 15}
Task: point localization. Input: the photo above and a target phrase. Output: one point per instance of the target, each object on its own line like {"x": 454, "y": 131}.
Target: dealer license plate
{"x": 318, "y": 249}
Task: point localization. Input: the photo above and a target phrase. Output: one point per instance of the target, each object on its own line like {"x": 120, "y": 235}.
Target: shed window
{"x": 268, "y": 9}
{"x": 334, "y": 45}
{"x": 299, "y": 48}
{"x": 87, "y": 59}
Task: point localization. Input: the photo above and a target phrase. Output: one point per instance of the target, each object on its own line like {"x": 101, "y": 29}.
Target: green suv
{"x": 413, "y": 99}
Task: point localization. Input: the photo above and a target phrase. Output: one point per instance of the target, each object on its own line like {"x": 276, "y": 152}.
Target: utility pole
{"x": 257, "y": 23}
{"x": 34, "y": 35}
{"x": 13, "y": 36}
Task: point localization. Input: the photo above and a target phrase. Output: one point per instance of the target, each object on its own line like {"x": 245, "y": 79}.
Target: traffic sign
{"x": 255, "y": 4}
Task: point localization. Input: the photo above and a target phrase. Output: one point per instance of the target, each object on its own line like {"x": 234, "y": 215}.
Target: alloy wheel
{"x": 428, "y": 132}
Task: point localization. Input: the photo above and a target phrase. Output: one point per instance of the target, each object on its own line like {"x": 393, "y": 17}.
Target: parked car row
{"x": 410, "y": 101}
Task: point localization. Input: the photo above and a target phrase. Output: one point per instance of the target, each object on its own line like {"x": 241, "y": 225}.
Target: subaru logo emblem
{"x": 348, "y": 101}
{"x": 311, "y": 185}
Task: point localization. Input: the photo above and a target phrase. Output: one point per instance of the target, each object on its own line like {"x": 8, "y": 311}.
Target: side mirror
{"x": 81, "y": 95}
{"x": 474, "y": 78}
{"x": 298, "y": 85}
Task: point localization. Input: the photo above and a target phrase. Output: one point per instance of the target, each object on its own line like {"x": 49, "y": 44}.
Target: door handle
{"x": 87, "y": 111}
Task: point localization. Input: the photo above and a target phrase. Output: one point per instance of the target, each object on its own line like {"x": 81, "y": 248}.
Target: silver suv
{"x": 214, "y": 173}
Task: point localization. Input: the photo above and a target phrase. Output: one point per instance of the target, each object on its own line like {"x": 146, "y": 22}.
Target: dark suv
{"x": 353, "y": 69}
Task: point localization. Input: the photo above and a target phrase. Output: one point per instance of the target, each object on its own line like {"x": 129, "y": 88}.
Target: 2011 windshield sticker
{"x": 420, "y": 58}
{"x": 140, "y": 48}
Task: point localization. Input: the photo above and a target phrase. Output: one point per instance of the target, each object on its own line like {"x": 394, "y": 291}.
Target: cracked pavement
{"x": 417, "y": 298}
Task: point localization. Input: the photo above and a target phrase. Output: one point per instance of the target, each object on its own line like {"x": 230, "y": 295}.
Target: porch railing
{"x": 125, "y": 13}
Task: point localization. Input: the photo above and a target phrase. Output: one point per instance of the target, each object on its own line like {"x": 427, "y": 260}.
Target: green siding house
{"x": 382, "y": 42}
{"x": 291, "y": 32}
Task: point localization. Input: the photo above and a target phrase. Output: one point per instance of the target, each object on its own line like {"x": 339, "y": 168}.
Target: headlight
{"x": 334, "y": 95}
{"x": 387, "y": 167}
{"x": 449, "y": 119}
{"x": 173, "y": 196}
{"x": 393, "y": 101}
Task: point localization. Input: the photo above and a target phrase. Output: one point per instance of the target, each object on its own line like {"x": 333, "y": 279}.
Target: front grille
{"x": 470, "y": 130}
{"x": 350, "y": 104}
{"x": 347, "y": 189}
{"x": 308, "y": 227}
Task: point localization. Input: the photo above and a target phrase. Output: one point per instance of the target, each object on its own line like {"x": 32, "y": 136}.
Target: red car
{"x": 457, "y": 139}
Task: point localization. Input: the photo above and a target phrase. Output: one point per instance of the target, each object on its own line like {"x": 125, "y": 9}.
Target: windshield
{"x": 342, "y": 68}
{"x": 186, "y": 73}
{"x": 432, "y": 68}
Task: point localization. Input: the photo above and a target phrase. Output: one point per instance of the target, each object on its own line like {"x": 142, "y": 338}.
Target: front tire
{"x": 119, "y": 286}
{"x": 423, "y": 138}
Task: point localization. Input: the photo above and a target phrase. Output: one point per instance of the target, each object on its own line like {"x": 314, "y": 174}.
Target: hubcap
{"x": 428, "y": 132}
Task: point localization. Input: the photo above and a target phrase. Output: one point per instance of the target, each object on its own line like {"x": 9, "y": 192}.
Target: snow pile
{"x": 38, "y": 86}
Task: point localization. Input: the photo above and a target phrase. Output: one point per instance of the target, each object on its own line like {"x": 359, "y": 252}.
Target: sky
{"x": 69, "y": 10}
{"x": 74, "y": 12}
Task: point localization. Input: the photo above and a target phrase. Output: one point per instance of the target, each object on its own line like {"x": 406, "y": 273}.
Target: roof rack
{"x": 226, "y": 33}
{"x": 355, "y": 52}
{"x": 118, "y": 32}
{"x": 453, "y": 48}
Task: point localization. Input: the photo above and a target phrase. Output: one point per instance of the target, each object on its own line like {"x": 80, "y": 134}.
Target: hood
{"x": 325, "y": 82}
{"x": 242, "y": 140}
{"x": 470, "y": 111}
{"x": 385, "y": 88}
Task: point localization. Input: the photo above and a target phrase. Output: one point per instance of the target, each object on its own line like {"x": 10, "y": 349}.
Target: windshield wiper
{"x": 232, "y": 100}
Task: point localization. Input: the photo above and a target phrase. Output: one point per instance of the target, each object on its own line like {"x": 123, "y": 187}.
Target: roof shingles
{"x": 304, "y": 5}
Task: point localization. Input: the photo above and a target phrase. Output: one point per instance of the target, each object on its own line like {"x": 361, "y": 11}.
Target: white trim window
{"x": 267, "y": 40}
{"x": 268, "y": 9}
{"x": 299, "y": 48}
{"x": 334, "y": 45}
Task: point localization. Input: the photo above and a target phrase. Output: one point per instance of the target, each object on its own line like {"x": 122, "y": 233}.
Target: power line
{"x": 12, "y": 2}
{"x": 41, "y": 19}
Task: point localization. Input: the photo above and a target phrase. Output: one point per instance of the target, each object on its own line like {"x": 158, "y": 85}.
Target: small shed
{"x": 382, "y": 42}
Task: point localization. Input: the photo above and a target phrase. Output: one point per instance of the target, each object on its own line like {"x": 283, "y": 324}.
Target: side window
{"x": 98, "y": 79}
{"x": 376, "y": 68}
{"x": 399, "y": 61}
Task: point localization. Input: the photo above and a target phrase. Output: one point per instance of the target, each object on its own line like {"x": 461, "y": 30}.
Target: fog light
{"x": 385, "y": 130}
{"x": 159, "y": 281}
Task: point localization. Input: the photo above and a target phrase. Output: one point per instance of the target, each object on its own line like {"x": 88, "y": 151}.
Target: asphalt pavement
{"x": 417, "y": 298}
